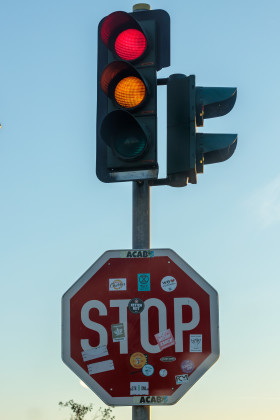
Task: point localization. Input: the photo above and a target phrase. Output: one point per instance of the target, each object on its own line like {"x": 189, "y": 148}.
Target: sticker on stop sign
{"x": 165, "y": 339}
{"x": 168, "y": 283}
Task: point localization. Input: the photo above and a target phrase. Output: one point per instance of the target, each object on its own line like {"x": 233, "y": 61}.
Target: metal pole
{"x": 140, "y": 215}
{"x": 141, "y": 412}
{"x": 140, "y": 240}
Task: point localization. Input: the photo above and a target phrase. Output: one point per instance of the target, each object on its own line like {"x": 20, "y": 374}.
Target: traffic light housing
{"x": 187, "y": 107}
{"x": 132, "y": 47}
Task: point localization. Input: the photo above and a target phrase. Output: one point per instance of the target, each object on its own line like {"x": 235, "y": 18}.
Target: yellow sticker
{"x": 138, "y": 360}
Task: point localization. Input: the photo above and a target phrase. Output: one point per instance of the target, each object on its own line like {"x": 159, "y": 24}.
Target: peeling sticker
{"x": 100, "y": 367}
{"x": 118, "y": 332}
{"x": 144, "y": 282}
{"x": 195, "y": 343}
{"x": 94, "y": 353}
{"x": 165, "y": 339}
{"x": 138, "y": 360}
{"x": 117, "y": 284}
{"x": 168, "y": 283}
{"x": 181, "y": 379}
{"x": 139, "y": 388}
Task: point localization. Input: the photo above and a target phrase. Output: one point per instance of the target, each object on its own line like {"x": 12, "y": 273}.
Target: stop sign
{"x": 140, "y": 327}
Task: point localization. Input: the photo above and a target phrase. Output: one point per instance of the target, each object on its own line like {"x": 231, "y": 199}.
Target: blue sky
{"x": 57, "y": 218}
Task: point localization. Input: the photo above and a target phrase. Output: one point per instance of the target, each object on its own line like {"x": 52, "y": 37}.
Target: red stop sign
{"x": 140, "y": 327}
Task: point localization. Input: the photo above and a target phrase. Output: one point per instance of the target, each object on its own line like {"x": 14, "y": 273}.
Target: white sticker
{"x": 117, "y": 284}
{"x": 139, "y": 388}
{"x": 195, "y": 343}
{"x": 163, "y": 373}
{"x": 94, "y": 353}
{"x": 180, "y": 379}
{"x": 168, "y": 283}
{"x": 118, "y": 331}
{"x": 100, "y": 367}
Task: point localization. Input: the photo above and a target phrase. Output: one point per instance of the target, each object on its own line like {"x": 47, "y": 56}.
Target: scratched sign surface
{"x": 140, "y": 327}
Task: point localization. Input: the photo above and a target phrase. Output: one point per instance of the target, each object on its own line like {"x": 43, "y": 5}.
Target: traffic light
{"x": 132, "y": 47}
{"x": 187, "y": 107}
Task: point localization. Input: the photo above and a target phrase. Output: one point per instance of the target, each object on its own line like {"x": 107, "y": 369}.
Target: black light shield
{"x": 187, "y": 150}
{"x": 213, "y": 102}
{"x": 214, "y": 148}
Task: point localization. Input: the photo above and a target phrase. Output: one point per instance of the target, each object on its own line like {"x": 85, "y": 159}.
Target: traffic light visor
{"x": 124, "y": 36}
{"x": 215, "y": 102}
{"x": 216, "y": 147}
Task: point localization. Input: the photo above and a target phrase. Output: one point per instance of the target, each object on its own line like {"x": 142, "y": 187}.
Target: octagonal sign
{"x": 140, "y": 327}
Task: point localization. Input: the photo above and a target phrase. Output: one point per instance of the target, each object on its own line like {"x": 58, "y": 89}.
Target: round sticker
{"x": 187, "y": 366}
{"x": 136, "y": 305}
{"x": 138, "y": 360}
{"x": 148, "y": 370}
{"x": 163, "y": 373}
{"x": 168, "y": 283}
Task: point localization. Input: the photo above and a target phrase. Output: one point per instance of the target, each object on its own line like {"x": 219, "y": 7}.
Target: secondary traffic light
{"x": 187, "y": 107}
{"x": 132, "y": 47}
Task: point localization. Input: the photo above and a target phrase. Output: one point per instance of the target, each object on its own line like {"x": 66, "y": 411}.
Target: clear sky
{"x": 57, "y": 218}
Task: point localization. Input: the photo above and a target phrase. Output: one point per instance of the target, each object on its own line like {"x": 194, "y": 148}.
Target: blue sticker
{"x": 144, "y": 282}
{"x": 147, "y": 370}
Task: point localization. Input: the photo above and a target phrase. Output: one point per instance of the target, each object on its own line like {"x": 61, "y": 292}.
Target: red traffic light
{"x": 124, "y": 36}
{"x": 130, "y": 44}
